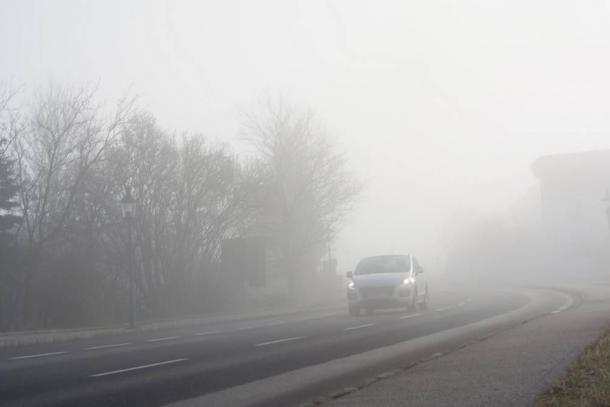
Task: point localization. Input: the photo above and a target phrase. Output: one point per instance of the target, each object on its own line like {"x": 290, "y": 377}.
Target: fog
{"x": 304, "y": 202}
{"x": 439, "y": 107}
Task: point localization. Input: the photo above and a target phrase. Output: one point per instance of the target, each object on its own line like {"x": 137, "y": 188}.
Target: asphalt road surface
{"x": 165, "y": 366}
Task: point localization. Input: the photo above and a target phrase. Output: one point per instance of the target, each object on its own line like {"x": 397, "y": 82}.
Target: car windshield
{"x": 380, "y": 265}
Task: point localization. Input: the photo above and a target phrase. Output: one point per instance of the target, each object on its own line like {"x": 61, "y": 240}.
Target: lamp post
{"x": 128, "y": 206}
{"x": 606, "y": 199}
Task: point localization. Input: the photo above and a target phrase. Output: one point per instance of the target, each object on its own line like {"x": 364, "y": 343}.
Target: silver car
{"x": 390, "y": 281}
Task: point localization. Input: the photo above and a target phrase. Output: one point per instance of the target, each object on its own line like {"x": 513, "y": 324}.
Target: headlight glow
{"x": 408, "y": 281}
{"x": 351, "y": 285}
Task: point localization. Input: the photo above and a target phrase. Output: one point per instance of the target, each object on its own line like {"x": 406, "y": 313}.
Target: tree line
{"x": 65, "y": 162}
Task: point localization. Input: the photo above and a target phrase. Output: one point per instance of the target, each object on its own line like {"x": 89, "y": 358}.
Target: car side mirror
{"x": 349, "y": 274}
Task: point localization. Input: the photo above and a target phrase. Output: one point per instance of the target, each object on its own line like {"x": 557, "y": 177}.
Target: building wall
{"x": 573, "y": 213}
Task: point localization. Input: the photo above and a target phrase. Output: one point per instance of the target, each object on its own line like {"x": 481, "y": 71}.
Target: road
{"x": 159, "y": 367}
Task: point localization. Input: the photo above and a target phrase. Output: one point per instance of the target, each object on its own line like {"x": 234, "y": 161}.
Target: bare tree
{"x": 307, "y": 186}
{"x": 60, "y": 143}
{"x": 73, "y": 159}
{"x": 189, "y": 197}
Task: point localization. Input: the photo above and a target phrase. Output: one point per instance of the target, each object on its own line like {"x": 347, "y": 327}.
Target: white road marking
{"x": 460, "y": 304}
{"x": 112, "y": 345}
{"x": 410, "y": 316}
{"x": 167, "y": 338}
{"x": 38, "y": 355}
{"x": 266, "y": 325}
{"x": 568, "y": 304}
{"x": 280, "y": 341}
{"x": 351, "y": 328}
{"x": 274, "y": 323}
{"x": 129, "y": 369}
{"x": 565, "y": 306}
{"x": 208, "y": 333}
{"x": 466, "y": 301}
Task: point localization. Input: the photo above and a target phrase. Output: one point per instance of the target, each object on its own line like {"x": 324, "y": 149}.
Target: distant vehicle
{"x": 390, "y": 281}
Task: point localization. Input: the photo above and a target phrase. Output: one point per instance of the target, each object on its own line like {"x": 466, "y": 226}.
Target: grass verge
{"x": 586, "y": 382}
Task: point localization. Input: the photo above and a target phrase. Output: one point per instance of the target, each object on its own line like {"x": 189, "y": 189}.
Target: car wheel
{"x": 424, "y": 303}
{"x": 412, "y": 305}
{"x": 354, "y": 311}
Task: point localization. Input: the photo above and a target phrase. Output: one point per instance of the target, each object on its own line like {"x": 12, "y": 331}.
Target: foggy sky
{"x": 439, "y": 105}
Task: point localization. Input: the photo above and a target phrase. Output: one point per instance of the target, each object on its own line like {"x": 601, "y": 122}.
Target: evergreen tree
{"x": 8, "y": 191}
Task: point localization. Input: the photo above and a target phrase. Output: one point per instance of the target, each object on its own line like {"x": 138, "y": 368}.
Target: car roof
{"x": 386, "y": 256}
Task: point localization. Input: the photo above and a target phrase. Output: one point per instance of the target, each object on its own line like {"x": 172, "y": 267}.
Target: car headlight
{"x": 351, "y": 285}
{"x": 408, "y": 281}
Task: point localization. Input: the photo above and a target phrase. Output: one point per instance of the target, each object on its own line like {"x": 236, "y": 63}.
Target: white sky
{"x": 438, "y": 104}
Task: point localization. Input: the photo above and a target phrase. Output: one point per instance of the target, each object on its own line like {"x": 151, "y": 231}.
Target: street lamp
{"x": 606, "y": 199}
{"x": 128, "y": 206}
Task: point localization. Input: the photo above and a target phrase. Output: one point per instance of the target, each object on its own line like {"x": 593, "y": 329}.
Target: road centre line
{"x": 265, "y": 325}
{"x": 351, "y": 328}
{"x": 129, "y": 369}
{"x": 274, "y": 323}
{"x": 280, "y": 341}
{"x": 167, "y": 338}
{"x": 208, "y": 333}
{"x": 112, "y": 345}
{"x": 568, "y": 304}
{"x": 466, "y": 301}
{"x": 38, "y": 355}
{"x": 410, "y": 316}
{"x": 565, "y": 306}
{"x": 460, "y": 304}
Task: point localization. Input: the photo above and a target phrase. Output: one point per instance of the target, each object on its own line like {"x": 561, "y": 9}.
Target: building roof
{"x": 595, "y": 162}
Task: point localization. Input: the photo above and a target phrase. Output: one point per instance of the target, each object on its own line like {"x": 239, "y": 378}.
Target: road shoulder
{"x": 507, "y": 369}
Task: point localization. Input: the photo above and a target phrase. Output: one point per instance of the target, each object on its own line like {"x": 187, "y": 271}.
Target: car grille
{"x": 374, "y": 292}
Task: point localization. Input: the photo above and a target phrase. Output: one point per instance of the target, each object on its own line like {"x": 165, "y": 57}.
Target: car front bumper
{"x": 395, "y": 297}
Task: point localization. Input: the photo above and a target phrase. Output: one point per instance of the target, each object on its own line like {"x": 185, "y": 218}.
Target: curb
{"x": 24, "y": 338}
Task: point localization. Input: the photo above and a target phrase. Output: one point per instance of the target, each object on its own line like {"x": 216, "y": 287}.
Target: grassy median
{"x": 587, "y": 381}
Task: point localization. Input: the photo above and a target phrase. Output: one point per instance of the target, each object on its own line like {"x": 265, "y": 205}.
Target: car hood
{"x": 381, "y": 279}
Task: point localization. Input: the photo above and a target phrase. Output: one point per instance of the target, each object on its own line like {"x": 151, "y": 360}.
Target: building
{"x": 573, "y": 214}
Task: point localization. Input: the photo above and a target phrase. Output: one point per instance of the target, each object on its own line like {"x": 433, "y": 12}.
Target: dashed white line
{"x": 167, "y": 338}
{"x": 460, "y": 304}
{"x": 294, "y": 338}
{"x": 38, "y": 355}
{"x": 208, "y": 333}
{"x": 266, "y": 325}
{"x": 466, "y": 301}
{"x": 129, "y": 369}
{"x": 112, "y": 345}
{"x": 565, "y": 306}
{"x": 410, "y": 316}
{"x": 274, "y": 323}
{"x": 351, "y": 328}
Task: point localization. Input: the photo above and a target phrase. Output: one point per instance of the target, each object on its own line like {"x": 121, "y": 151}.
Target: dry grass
{"x": 587, "y": 381}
